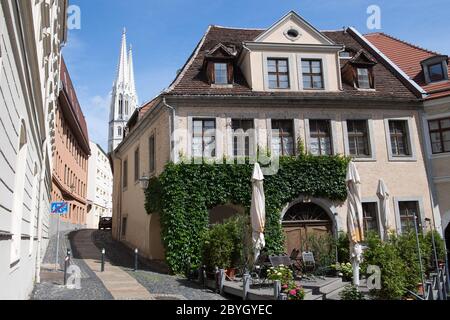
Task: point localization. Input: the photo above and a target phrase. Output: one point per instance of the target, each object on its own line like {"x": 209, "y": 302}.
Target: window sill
{"x": 221, "y": 86}
{"x": 366, "y": 90}
{"x": 402, "y": 159}
{"x": 440, "y": 155}
{"x": 368, "y": 159}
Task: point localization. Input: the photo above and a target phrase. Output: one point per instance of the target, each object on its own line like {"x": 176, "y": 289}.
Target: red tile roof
{"x": 408, "y": 57}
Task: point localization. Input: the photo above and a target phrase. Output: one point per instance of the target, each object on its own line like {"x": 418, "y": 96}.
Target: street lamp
{"x": 144, "y": 181}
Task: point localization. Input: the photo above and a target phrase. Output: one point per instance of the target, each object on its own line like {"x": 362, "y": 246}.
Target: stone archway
{"x": 304, "y": 219}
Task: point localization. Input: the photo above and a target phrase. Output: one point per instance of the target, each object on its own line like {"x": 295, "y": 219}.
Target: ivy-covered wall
{"x": 184, "y": 193}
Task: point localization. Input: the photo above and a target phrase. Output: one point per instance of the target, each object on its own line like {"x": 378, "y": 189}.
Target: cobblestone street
{"x": 86, "y": 246}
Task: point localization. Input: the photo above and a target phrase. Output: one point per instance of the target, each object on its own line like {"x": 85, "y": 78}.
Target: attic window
{"x": 435, "y": 69}
{"x": 292, "y": 34}
{"x": 220, "y": 73}
{"x": 436, "y": 72}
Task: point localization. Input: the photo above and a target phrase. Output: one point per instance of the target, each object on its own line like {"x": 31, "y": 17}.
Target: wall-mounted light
{"x": 144, "y": 181}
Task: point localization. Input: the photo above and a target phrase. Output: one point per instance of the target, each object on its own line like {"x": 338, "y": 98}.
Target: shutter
{"x": 371, "y": 78}
{"x": 230, "y": 71}
{"x": 355, "y": 76}
{"x": 210, "y": 72}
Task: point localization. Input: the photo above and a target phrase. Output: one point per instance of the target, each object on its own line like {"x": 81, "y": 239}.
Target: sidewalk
{"x": 118, "y": 282}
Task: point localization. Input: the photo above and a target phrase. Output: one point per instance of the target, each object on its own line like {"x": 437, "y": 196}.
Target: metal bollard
{"x": 221, "y": 280}
{"x": 136, "y": 252}
{"x": 103, "y": 260}
{"x": 277, "y": 289}
{"x": 246, "y": 280}
{"x": 66, "y": 265}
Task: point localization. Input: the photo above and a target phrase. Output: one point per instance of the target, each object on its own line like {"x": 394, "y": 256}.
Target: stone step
{"x": 333, "y": 286}
{"x": 317, "y": 285}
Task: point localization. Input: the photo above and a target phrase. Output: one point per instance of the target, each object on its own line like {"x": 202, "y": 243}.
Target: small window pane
{"x": 221, "y": 74}
{"x": 363, "y": 78}
{"x": 436, "y": 72}
{"x": 445, "y": 124}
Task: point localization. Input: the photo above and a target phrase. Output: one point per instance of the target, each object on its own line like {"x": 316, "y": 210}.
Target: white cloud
{"x": 96, "y": 112}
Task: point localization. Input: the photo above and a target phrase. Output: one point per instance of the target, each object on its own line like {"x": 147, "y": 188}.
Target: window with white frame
{"x": 363, "y": 78}
{"x": 320, "y": 138}
{"x": 204, "y": 138}
{"x": 220, "y": 73}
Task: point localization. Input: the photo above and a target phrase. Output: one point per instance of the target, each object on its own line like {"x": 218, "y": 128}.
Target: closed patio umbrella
{"x": 354, "y": 219}
{"x": 258, "y": 211}
{"x": 383, "y": 195}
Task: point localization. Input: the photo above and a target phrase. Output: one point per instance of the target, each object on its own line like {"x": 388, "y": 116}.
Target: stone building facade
{"x": 31, "y": 33}
{"x": 70, "y": 161}
{"x": 99, "y": 194}
{"x": 271, "y": 89}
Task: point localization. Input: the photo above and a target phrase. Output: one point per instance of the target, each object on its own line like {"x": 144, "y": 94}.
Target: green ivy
{"x": 183, "y": 193}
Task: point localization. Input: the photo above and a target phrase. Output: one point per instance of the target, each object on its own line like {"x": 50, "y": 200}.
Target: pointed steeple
{"x": 122, "y": 69}
{"x": 131, "y": 74}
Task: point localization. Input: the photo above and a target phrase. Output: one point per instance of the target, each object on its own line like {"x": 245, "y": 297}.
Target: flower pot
{"x": 420, "y": 289}
{"x": 231, "y": 273}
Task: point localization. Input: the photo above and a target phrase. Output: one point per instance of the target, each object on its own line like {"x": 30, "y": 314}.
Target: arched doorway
{"x": 303, "y": 220}
{"x": 221, "y": 213}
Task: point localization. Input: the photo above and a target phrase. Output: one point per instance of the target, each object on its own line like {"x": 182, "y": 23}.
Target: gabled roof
{"x": 361, "y": 57}
{"x": 222, "y": 50}
{"x": 296, "y": 17}
{"x": 192, "y": 81}
{"x": 409, "y": 57}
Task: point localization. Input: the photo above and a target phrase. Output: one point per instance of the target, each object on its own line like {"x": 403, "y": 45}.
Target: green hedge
{"x": 183, "y": 193}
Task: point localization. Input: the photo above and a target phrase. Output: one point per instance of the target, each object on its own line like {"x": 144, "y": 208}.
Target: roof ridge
{"x": 404, "y": 42}
{"x": 237, "y": 28}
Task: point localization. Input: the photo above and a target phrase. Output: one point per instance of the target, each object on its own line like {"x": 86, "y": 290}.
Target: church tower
{"x": 124, "y": 99}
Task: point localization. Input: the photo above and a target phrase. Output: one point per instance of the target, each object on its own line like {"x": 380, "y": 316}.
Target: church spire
{"x": 124, "y": 100}
{"x": 122, "y": 69}
{"x": 131, "y": 73}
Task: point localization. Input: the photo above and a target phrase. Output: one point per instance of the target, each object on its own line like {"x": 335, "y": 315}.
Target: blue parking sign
{"x": 60, "y": 208}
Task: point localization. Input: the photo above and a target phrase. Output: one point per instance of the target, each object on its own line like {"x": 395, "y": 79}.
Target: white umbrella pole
{"x": 355, "y": 265}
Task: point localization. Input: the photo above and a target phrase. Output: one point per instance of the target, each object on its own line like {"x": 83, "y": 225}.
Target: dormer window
{"x": 220, "y": 73}
{"x": 436, "y": 72}
{"x": 435, "y": 69}
{"x": 363, "y": 78}
{"x": 358, "y": 71}
{"x": 219, "y": 65}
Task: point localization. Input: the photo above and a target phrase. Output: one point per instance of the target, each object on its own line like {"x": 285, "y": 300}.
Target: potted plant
{"x": 293, "y": 291}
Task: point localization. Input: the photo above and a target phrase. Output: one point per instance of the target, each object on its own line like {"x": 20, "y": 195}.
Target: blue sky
{"x": 164, "y": 33}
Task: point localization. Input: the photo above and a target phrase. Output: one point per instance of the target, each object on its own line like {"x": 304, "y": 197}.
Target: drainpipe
{"x": 171, "y": 130}
{"x": 39, "y": 226}
{"x": 119, "y": 198}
